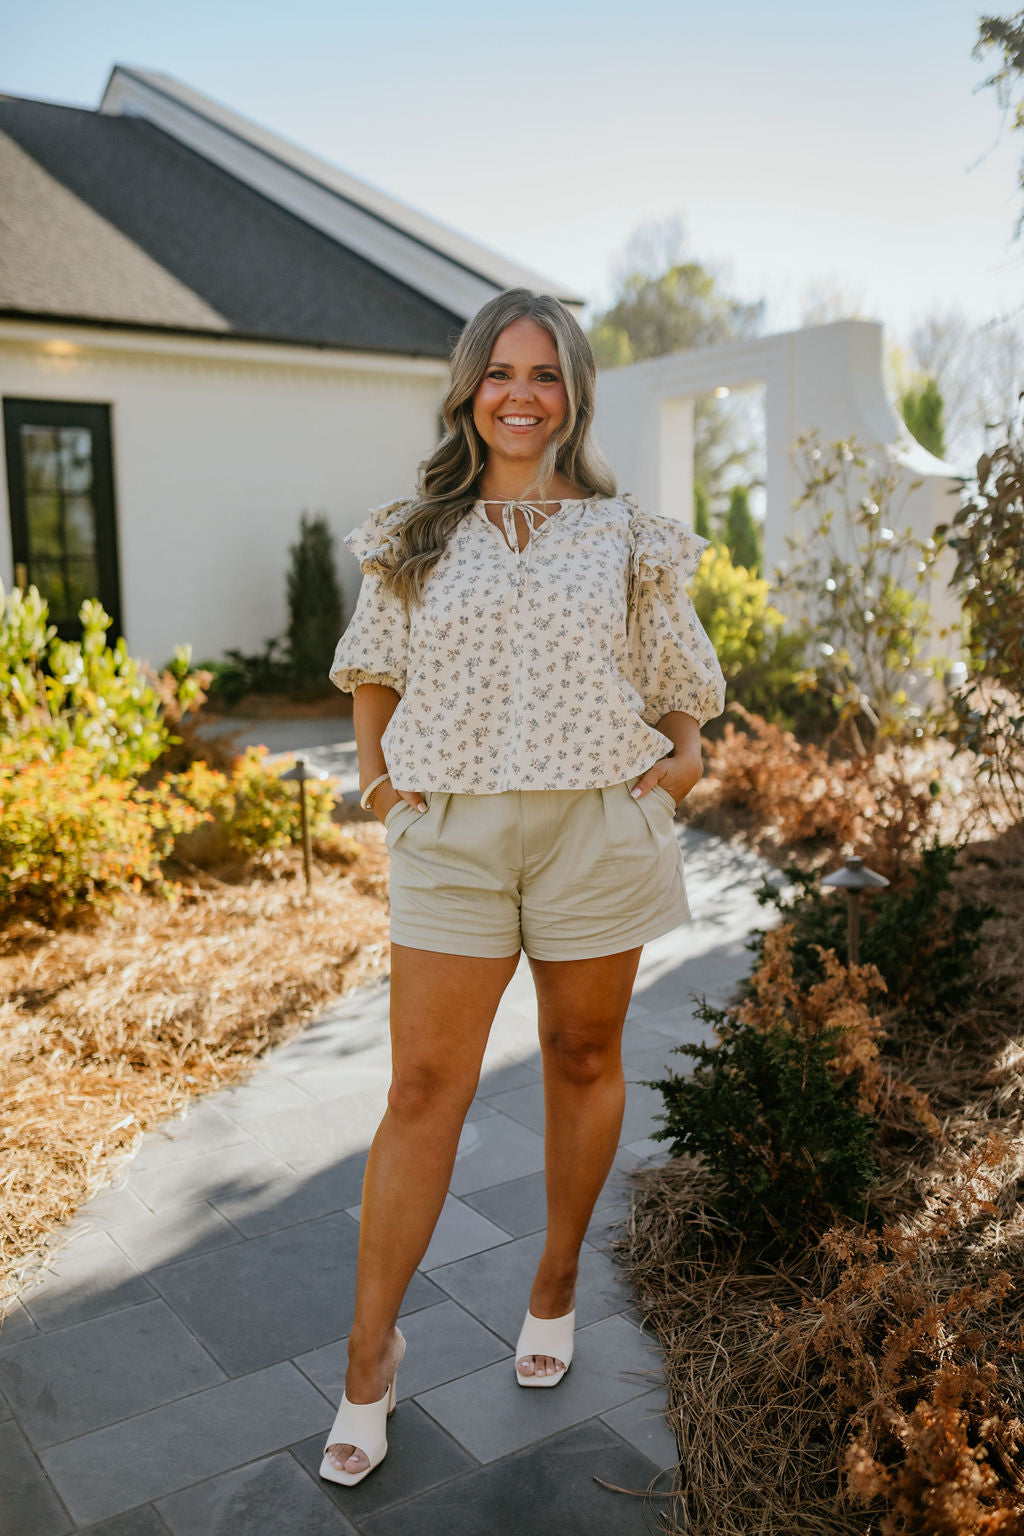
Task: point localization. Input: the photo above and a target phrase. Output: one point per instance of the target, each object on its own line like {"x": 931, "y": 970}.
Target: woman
{"x": 529, "y": 683}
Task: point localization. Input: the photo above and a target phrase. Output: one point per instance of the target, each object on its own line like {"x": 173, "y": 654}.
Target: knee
{"x": 581, "y": 1059}
{"x": 423, "y": 1091}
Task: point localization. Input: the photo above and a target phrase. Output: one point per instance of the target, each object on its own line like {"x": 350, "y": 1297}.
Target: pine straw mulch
{"x": 110, "y": 1026}
{"x": 866, "y": 1384}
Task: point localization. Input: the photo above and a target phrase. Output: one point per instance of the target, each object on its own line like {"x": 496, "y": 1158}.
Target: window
{"x": 63, "y": 524}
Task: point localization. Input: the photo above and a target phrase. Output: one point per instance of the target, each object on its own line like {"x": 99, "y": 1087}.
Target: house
{"x": 205, "y": 331}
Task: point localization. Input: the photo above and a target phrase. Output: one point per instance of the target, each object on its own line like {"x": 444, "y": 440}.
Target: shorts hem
{"x": 600, "y": 947}
{"x": 466, "y": 947}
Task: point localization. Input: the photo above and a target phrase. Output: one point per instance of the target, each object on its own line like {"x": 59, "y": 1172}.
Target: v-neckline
{"x": 480, "y": 506}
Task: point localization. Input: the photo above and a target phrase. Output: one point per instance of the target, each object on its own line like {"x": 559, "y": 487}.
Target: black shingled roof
{"x": 269, "y": 275}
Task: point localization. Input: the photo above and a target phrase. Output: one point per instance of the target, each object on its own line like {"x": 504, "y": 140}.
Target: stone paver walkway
{"x": 178, "y": 1367}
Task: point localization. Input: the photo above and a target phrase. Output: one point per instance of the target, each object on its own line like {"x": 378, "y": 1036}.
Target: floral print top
{"x": 542, "y": 669}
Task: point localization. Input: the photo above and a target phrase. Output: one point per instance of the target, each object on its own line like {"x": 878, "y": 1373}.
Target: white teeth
{"x": 520, "y": 421}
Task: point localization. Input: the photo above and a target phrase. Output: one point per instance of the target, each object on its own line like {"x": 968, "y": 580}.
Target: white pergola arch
{"x": 827, "y": 377}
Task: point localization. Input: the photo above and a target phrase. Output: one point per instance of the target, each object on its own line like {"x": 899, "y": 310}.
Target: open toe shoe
{"x": 545, "y": 1336}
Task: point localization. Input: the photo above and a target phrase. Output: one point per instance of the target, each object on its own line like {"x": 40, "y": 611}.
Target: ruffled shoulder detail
{"x": 372, "y": 541}
{"x": 660, "y": 547}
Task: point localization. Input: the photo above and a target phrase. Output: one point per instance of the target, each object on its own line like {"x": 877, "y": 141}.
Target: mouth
{"x": 520, "y": 423}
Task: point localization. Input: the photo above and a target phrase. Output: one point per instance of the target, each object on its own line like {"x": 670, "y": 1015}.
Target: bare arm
{"x": 373, "y": 704}
{"x": 681, "y": 770}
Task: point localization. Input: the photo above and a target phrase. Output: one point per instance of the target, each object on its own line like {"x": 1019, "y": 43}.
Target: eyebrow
{"x": 552, "y": 367}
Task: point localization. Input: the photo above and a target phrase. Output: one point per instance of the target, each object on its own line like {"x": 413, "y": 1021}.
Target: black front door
{"x": 63, "y": 524}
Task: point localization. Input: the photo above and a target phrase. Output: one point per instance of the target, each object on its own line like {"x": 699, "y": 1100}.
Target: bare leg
{"x": 581, "y": 1009}
{"x": 442, "y": 1008}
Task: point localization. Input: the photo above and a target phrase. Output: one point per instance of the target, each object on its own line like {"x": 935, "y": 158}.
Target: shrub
{"x": 86, "y": 693}
{"x": 314, "y": 605}
{"x": 987, "y": 537}
{"x": 252, "y": 811}
{"x": 799, "y": 797}
{"x": 71, "y": 836}
{"x": 768, "y": 1115}
{"x": 921, "y": 939}
{"x": 740, "y": 533}
{"x": 856, "y": 589}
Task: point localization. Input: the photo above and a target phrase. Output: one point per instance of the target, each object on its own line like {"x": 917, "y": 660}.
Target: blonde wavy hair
{"x": 447, "y": 480}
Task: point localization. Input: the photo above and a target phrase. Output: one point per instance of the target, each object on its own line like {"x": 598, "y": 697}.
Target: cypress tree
{"x": 740, "y": 533}
{"x": 314, "y": 605}
{"x": 923, "y": 411}
{"x": 701, "y": 517}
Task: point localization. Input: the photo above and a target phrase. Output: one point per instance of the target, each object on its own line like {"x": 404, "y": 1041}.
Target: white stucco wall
{"x": 217, "y": 450}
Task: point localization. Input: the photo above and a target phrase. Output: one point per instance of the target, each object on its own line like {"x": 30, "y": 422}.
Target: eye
{"x": 547, "y": 378}
{"x": 496, "y": 373}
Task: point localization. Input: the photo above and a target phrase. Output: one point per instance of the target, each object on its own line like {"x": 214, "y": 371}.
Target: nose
{"x": 520, "y": 389}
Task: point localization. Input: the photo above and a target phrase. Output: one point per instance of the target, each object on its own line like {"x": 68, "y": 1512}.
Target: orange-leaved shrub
{"x": 70, "y": 835}
{"x": 796, "y": 796}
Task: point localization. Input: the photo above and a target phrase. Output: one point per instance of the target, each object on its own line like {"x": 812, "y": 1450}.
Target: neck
{"x": 512, "y": 482}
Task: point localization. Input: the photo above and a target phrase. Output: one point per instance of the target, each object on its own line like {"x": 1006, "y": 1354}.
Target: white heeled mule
{"x": 364, "y": 1426}
{"x": 545, "y": 1336}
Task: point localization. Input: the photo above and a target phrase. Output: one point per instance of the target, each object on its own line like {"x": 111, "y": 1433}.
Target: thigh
{"x": 584, "y": 1002}
{"x": 442, "y": 1009}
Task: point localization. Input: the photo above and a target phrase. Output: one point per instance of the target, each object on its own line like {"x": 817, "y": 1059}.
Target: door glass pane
{"x": 75, "y": 459}
{"x": 61, "y": 515}
{"x": 48, "y": 576}
{"x": 44, "y": 532}
{"x": 80, "y": 526}
{"x": 39, "y": 447}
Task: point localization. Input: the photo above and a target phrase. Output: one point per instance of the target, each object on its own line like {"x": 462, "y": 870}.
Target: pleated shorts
{"x": 564, "y": 874}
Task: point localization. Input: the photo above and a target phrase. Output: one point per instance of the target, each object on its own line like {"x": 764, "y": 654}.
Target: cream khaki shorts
{"x": 565, "y": 874}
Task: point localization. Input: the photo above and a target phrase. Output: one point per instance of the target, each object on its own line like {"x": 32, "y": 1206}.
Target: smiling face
{"x": 521, "y": 401}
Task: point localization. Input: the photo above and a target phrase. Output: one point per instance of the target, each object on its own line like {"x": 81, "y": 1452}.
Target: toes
{"x": 526, "y": 1365}
{"x": 347, "y": 1458}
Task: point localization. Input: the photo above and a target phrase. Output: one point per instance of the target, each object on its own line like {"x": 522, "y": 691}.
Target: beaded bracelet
{"x": 368, "y": 792}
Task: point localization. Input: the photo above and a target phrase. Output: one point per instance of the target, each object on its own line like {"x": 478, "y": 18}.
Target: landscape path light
{"x": 301, "y": 772}
{"x": 854, "y": 878}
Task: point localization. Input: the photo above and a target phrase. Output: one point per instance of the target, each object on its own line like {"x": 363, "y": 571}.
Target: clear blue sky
{"x": 800, "y": 142}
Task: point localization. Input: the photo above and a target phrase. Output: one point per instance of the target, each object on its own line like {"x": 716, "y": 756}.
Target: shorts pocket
{"x": 666, "y": 797}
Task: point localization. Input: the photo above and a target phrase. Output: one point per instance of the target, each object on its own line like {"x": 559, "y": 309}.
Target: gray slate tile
{"x": 166, "y": 1236}
{"x": 518, "y": 1206}
{"x": 550, "y": 1488}
{"x": 65, "y": 1384}
{"x": 88, "y": 1277}
{"x": 319, "y": 1134}
{"x": 203, "y": 1129}
{"x": 511, "y": 1074}
{"x": 492, "y": 1151}
{"x": 495, "y": 1285}
{"x": 169, "y": 1186}
{"x": 442, "y": 1342}
{"x": 261, "y": 1094}
{"x": 28, "y": 1504}
{"x": 110, "y": 1208}
{"x": 143, "y": 1521}
{"x": 642, "y": 1422}
{"x": 15, "y": 1325}
{"x": 275, "y": 1296}
{"x": 297, "y": 1197}
{"x": 420, "y": 1456}
{"x": 490, "y": 1414}
{"x": 459, "y": 1231}
{"x": 157, "y": 1453}
{"x": 272, "y": 1497}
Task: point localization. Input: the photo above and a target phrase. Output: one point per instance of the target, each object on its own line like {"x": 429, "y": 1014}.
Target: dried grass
{"x": 108, "y": 1027}
{"x": 874, "y": 1388}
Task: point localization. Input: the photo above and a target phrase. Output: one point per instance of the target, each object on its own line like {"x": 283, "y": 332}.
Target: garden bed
{"x": 109, "y": 1026}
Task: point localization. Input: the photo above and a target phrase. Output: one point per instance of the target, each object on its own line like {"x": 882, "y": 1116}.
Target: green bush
{"x": 314, "y": 606}
{"x": 252, "y": 810}
{"x": 922, "y": 940}
{"x": 764, "y": 666}
{"x": 769, "y": 1117}
{"x": 72, "y": 837}
{"x": 86, "y": 693}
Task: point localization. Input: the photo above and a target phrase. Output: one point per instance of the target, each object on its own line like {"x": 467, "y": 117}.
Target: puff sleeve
{"x": 375, "y": 645}
{"x": 672, "y": 663}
